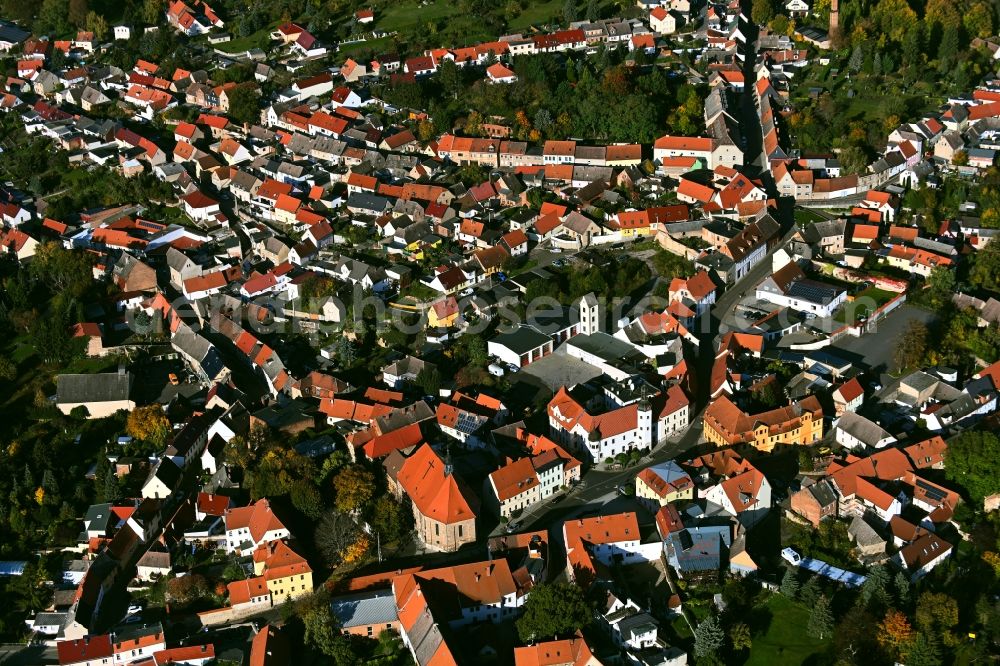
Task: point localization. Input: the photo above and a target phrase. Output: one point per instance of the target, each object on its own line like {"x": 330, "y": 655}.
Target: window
{"x": 459, "y": 531}
{"x": 437, "y": 529}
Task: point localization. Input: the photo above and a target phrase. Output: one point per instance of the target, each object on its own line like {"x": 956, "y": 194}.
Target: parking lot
{"x": 560, "y": 369}
{"x": 875, "y": 350}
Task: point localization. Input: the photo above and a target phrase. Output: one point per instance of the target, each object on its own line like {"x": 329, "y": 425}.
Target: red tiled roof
{"x": 516, "y": 477}
{"x": 90, "y": 648}
{"x": 242, "y": 591}
{"x": 435, "y": 494}
{"x": 258, "y": 517}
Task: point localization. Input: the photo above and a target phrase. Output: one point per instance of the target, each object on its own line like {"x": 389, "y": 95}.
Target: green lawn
{"x": 784, "y": 639}
{"x": 374, "y": 45}
{"x": 257, "y": 40}
{"x": 864, "y": 304}
{"x": 806, "y": 216}
{"x": 401, "y": 16}
{"x": 536, "y": 13}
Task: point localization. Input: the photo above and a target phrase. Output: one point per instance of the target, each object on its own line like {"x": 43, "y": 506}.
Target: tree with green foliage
{"x": 244, "y": 103}
{"x": 429, "y": 380}
{"x": 708, "y": 638}
{"x": 941, "y": 285}
{"x": 569, "y": 11}
{"x": 911, "y": 345}
{"x": 875, "y": 589}
{"x": 53, "y": 17}
{"x": 740, "y": 637}
{"x": 853, "y": 159}
{"x": 276, "y": 470}
{"x": 553, "y": 609}
{"x": 923, "y": 650}
{"x": 60, "y": 269}
{"x": 979, "y": 20}
{"x": 306, "y": 498}
{"x": 985, "y": 270}
{"x": 902, "y": 584}
{"x": 789, "y": 584}
{"x": 476, "y": 349}
{"x": 820, "y": 619}
{"x": 321, "y": 630}
{"x": 390, "y": 519}
{"x": 762, "y": 11}
{"x": 810, "y": 592}
{"x": 152, "y": 11}
{"x": 937, "y": 614}
{"x": 111, "y": 491}
{"x": 913, "y": 48}
{"x": 972, "y": 460}
{"x": 857, "y": 60}
{"x": 949, "y": 46}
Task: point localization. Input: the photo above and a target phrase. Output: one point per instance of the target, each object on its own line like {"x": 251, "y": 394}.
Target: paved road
{"x": 27, "y": 655}
{"x": 595, "y": 490}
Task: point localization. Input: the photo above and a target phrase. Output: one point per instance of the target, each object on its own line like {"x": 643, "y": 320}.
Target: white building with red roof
{"x": 640, "y": 424}
{"x": 848, "y": 397}
{"x": 697, "y": 292}
{"x": 500, "y": 73}
{"x": 601, "y": 540}
{"x": 247, "y": 527}
{"x": 521, "y": 483}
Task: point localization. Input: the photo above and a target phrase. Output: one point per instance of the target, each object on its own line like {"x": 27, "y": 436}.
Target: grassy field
{"x": 402, "y": 16}
{"x": 536, "y": 13}
{"x": 784, "y": 640}
{"x": 410, "y": 15}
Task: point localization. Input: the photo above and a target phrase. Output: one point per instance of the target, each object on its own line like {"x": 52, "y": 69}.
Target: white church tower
{"x": 591, "y": 314}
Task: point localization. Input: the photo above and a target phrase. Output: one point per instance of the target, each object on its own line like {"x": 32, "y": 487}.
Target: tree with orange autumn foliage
{"x": 356, "y": 550}
{"x": 895, "y": 633}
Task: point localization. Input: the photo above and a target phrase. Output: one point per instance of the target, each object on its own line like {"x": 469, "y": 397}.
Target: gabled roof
{"x": 516, "y": 477}
{"x": 435, "y": 491}
{"x": 258, "y": 517}
{"x": 849, "y": 391}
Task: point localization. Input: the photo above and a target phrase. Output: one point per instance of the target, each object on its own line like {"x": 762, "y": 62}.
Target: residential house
{"x": 248, "y": 527}
{"x": 661, "y": 484}
{"x": 815, "y": 501}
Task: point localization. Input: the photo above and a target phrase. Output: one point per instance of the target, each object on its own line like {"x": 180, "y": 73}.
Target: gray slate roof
{"x": 104, "y": 387}
{"x": 360, "y": 610}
